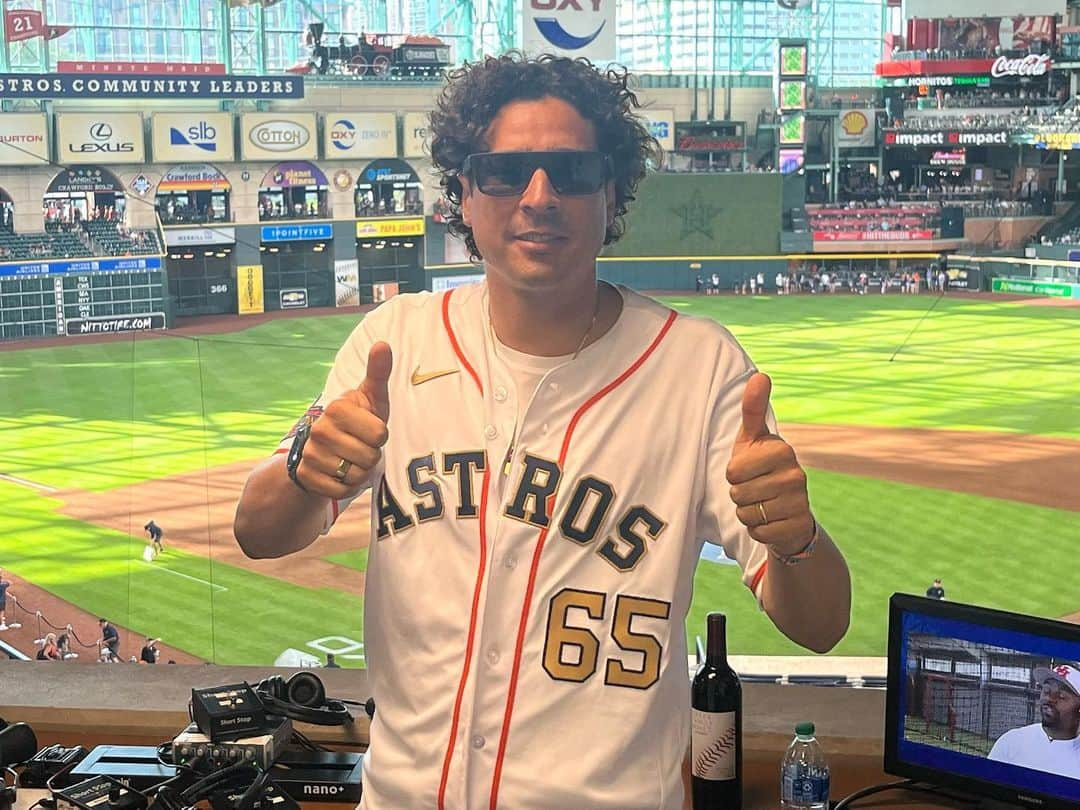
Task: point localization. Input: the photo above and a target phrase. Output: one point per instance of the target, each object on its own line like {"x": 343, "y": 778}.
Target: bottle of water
{"x": 804, "y": 773}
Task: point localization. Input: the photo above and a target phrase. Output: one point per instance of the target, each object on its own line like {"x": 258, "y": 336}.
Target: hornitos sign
{"x": 271, "y": 136}
{"x": 1030, "y": 65}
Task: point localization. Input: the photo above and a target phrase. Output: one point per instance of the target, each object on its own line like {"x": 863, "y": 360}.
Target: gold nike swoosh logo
{"x": 418, "y": 378}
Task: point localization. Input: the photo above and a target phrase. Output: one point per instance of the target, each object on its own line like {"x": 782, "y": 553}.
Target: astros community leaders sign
{"x": 52, "y": 85}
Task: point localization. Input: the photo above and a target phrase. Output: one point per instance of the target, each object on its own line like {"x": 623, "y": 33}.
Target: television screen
{"x": 792, "y": 94}
{"x": 793, "y": 60}
{"x": 791, "y": 160}
{"x": 984, "y": 700}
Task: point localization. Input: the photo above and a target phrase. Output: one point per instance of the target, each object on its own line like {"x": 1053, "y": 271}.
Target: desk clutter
{"x": 240, "y": 752}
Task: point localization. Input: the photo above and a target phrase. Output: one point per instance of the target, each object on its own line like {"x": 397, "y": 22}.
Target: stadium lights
{"x": 189, "y": 255}
{"x": 208, "y": 253}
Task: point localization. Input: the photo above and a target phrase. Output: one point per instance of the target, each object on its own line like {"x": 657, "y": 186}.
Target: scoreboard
{"x": 82, "y": 297}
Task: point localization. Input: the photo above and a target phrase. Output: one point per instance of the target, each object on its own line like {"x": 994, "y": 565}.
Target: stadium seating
{"x": 114, "y": 240}
{"x": 59, "y": 245}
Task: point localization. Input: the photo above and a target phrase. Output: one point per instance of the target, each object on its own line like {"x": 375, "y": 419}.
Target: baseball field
{"x": 942, "y": 438}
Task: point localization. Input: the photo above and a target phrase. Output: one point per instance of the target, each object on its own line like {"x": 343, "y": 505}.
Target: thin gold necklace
{"x": 584, "y": 338}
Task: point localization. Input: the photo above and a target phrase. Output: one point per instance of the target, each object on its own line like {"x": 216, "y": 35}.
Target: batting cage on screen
{"x": 963, "y": 695}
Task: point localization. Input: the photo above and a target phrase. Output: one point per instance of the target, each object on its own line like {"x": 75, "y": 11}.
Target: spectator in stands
{"x": 4, "y": 585}
{"x": 49, "y": 650}
{"x": 109, "y": 641}
{"x": 1051, "y": 745}
{"x": 935, "y": 591}
{"x": 149, "y": 653}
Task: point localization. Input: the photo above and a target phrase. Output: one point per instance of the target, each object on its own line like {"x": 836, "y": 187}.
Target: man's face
{"x": 508, "y": 230}
{"x": 1059, "y": 708}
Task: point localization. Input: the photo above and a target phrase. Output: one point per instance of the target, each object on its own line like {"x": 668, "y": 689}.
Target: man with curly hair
{"x": 557, "y": 450}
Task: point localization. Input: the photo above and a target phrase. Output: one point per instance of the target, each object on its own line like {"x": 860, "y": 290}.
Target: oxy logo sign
{"x": 279, "y": 136}
{"x": 571, "y": 26}
{"x": 343, "y": 134}
{"x": 201, "y": 135}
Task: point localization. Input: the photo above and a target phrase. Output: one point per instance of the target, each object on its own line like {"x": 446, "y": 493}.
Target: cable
{"x": 903, "y": 784}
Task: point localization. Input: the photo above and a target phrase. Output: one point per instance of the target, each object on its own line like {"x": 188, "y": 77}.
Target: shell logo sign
{"x": 854, "y": 123}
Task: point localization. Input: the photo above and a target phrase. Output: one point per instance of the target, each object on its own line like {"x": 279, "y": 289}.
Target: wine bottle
{"x": 716, "y": 726}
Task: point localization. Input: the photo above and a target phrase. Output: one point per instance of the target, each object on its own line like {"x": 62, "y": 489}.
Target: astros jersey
{"x": 529, "y": 578}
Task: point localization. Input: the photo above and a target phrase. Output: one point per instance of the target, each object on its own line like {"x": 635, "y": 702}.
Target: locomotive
{"x": 374, "y": 55}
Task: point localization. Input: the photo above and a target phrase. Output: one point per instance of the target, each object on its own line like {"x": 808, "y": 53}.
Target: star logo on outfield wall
{"x": 697, "y": 216}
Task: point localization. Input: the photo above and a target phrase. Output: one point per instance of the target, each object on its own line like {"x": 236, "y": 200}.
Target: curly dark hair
{"x": 476, "y": 92}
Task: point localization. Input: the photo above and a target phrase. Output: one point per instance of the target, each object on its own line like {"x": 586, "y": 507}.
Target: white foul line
{"x": 26, "y": 483}
{"x": 185, "y": 576}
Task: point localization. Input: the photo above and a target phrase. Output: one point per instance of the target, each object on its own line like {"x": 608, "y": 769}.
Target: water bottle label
{"x": 804, "y": 789}
{"x": 713, "y": 744}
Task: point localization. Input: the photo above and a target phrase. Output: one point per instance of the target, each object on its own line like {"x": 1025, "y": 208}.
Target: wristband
{"x": 805, "y": 554}
{"x": 296, "y": 453}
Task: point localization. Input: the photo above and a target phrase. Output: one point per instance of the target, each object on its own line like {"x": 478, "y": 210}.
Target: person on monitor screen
{"x": 1051, "y": 745}
{"x": 521, "y": 478}
{"x": 935, "y": 591}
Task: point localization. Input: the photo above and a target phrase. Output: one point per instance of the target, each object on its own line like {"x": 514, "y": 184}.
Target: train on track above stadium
{"x": 373, "y": 55}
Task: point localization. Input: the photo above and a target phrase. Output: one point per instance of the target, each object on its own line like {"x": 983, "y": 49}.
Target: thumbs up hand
{"x": 345, "y": 441}
{"x": 768, "y": 486}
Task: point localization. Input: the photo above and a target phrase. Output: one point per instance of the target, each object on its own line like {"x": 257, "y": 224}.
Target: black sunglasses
{"x": 507, "y": 174}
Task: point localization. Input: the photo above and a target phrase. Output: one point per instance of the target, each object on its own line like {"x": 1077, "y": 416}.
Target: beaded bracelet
{"x": 805, "y": 554}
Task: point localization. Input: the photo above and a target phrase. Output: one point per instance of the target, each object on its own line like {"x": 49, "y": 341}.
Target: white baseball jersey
{"x": 529, "y": 578}
{"x": 1029, "y": 747}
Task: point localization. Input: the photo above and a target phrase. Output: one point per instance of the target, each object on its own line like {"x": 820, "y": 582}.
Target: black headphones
{"x": 302, "y": 698}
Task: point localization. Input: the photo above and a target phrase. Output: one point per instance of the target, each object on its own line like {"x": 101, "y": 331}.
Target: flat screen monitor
{"x": 984, "y": 701}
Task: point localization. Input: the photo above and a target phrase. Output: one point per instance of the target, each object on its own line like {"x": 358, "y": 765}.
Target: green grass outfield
{"x": 99, "y": 416}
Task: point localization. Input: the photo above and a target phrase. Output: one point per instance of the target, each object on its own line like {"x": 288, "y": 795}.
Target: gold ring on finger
{"x": 342, "y": 470}
{"x": 763, "y": 513}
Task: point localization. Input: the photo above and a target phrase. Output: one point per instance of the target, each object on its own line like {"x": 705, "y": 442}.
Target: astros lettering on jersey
{"x": 531, "y": 564}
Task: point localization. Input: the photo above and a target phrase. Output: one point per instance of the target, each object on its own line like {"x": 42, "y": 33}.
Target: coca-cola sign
{"x": 1030, "y": 65}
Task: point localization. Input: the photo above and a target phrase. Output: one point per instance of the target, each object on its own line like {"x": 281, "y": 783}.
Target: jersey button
{"x": 478, "y": 741}
{"x": 500, "y": 394}
{"x": 510, "y": 561}
{"x": 493, "y": 656}
{"x": 491, "y": 432}
{"x": 554, "y": 387}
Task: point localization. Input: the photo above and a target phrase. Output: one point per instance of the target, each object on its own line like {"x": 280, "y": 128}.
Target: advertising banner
{"x": 872, "y": 236}
{"x": 414, "y": 134}
{"x": 249, "y": 289}
{"x": 295, "y": 298}
{"x": 296, "y": 233}
{"x": 857, "y": 129}
{"x": 1032, "y": 287}
{"x": 294, "y": 173}
{"x": 273, "y": 136}
{"x": 142, "y": 68}
{"x": 24, "y": 139}
{"x": 194, "y": 177}
{"x": 347, "y": 283}
{"x": 100, "y": 138}
{"x": 384, "y": 291}
{"x": 87, "y": 179}
{"x": 360, "y": 135}
{"x": 107, "y": 325}
{"x": 114, "y": 88}
{"x": 80, "y": 266}
{"x": 178, "y": 237}
{"x": 942, "y": 138}
{"x": 661, "y": 125}
{"x": 180, "y": 137}
{"x": 570, "y": 28}
{"x": 380, "y": 228}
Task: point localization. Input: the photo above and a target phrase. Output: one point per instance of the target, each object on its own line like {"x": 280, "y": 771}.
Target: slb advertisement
{"x": 183, "y": 137}
{"x": 100, "y": 138}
